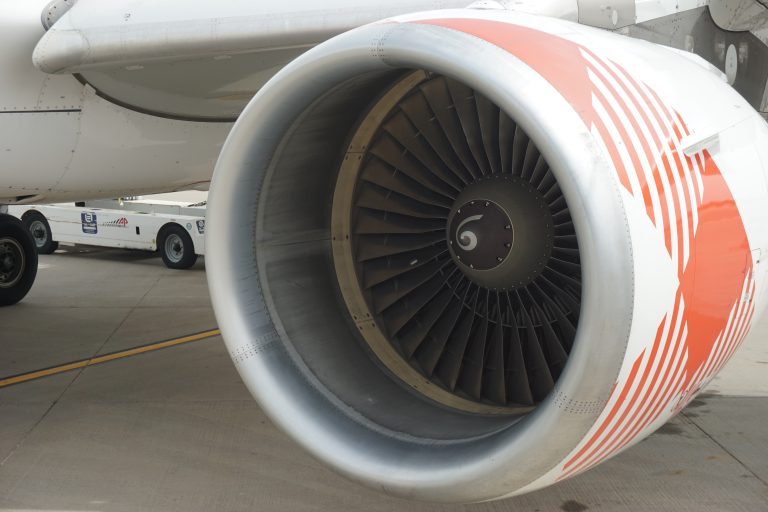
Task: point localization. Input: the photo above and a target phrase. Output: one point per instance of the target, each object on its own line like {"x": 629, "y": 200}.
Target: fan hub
{"x": 500, "y": 232}
{"x": 481, "y": 235}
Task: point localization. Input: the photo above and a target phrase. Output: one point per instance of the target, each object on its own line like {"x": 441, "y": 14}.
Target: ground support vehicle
{"x": 175, "y": 230}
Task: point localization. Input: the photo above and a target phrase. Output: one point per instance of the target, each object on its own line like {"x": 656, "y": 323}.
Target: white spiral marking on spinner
{"x": 467, "y": 240}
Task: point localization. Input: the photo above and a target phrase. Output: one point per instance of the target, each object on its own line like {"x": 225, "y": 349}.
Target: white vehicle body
{"x": 637, "y": 129}
{"x": 118, "y": 224}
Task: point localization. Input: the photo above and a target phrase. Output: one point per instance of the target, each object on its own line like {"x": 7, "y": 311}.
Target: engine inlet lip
{"x": 436, "y": 472}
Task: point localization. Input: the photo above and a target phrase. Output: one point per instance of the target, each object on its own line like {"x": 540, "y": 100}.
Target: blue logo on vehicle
{"x": 88, "y": 220}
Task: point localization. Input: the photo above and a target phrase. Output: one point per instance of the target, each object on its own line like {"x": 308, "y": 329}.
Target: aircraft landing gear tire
{"x": 18, "y": 260}
{"x": 176, "y": 247}
{"x": 40, "y": 230}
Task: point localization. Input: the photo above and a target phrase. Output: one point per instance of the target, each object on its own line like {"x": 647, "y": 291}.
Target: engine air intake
{"x": 460, "y": 247}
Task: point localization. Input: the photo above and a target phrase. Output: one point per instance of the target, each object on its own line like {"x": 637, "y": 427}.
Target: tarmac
{"x": 176, "y": 430}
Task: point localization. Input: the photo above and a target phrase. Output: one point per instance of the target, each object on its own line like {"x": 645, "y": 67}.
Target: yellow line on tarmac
{"x": 55, "y": 370}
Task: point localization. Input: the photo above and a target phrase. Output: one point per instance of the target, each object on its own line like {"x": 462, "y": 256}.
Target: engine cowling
{"x": 463, "y": 255}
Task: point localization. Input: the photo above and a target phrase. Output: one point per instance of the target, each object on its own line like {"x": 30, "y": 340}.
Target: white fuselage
{"x": 60, "y": 140}
{"x": 64, "y": 138}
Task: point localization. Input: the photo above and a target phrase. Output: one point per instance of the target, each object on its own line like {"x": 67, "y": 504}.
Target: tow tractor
{"x": 175, "y": 229}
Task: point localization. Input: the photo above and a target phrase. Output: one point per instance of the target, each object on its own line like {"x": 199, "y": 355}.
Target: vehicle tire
{"x": 176, "y": 247}
{"x": 18, "y": 260}
{"x": 40, "y": 230}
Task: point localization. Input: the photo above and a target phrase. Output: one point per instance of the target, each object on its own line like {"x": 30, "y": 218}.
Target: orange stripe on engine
{"x": 653, "y": 364}
{"x": 620, "y": 401}
{"x": 625, "y": 135}
{"x": 664, "y": 386}
{"x": 634, "y": 157}
{"x": 650, "y": 147}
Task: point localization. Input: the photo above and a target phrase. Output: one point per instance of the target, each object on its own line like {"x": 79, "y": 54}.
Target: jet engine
{"x": 463, "y": 255}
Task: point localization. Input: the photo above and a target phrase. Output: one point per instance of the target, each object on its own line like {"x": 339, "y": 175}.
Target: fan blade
{"x": 449, "y": 367}
{"x": 464, "y": 102}
{"x": 415, "y": 331}
{"x": 374, "y": 197}
{"x": 519, "y": 147}
{"x": 432, "y": 349}
{"x": 471, "y": 379}
{"x": 530, "y": 160}
{"x": 488, "y": 120}
{"x": 506, "y": 142}
{"x": 379, "y": 173}
{"x": 412, "y": 156}
{"x": 494, "y": 383}
{"x": 441, "y": 102}
{"x": 372, "y": 222}
{"x": 394, "y": 290}
{"x": 379, "y": 246}
{"x": 540, "y": 380}
{"x": 419, "y": 113}
{"x": 382, "y": 269}
{"x": 518, "y": 388}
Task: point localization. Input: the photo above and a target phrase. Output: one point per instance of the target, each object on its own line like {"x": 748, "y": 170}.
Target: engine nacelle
{"x": 462, "y": 255}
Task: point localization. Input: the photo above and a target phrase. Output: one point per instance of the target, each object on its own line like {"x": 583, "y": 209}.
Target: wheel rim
{"x": 174, "y": 248}
{"x": 12, "y": 262}
{"x": 455, "y": 250}
{"x": 39, "y": 233}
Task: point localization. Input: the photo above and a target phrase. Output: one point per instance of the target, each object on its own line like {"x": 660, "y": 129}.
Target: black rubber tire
{"x": 13, "y": 230}
{"x": 48, "y": 246}
{"x": 187, "y": 258}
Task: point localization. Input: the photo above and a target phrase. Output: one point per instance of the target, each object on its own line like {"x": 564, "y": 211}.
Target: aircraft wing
{"x": 197, "y": 61}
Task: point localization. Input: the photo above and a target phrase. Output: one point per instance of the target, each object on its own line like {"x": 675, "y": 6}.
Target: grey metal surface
{"x": 562, "y": 9}
{"x": 204, "y": 62}
{"x": 55, "y": 10}
{"x": 177, "y": 431}
{"x": 174, "y": 248}
{"x": 39, "y": 232}
{"x": 696, "y": 31}
{"x": 611, "y": 16}
{"x": 738, "y": 15}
